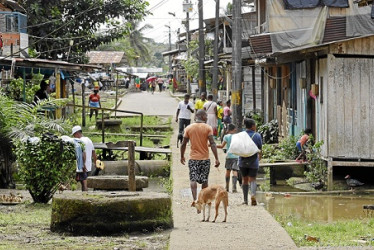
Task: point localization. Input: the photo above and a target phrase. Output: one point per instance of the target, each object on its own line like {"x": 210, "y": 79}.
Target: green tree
{"x": 52, "y": 24}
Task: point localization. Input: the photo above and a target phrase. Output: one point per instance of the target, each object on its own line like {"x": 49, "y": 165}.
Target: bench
{"x": 145, "y": 152}
{"x": 280, "y": 164}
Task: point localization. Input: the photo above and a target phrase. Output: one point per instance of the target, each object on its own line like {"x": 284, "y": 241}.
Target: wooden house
{"x": 13, "y": 29}
{"x": 318, "y": 62}
{"x": 251, "y": 88}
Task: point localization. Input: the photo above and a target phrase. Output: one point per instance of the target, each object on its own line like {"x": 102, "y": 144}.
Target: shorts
{"x": 227, "y": 119}
{"x": 199, "y": 170}
{"x": 232, "y": 164}
{"x": 298, "y": 145}
{"x": 81, "y": 176}
{"x": 251, "y": 172}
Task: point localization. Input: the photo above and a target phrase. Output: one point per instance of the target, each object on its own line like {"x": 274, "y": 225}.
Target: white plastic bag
{"x": 242, "y": 145}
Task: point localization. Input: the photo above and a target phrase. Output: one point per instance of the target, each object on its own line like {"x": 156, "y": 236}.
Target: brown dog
{"x": 207, "y": 195}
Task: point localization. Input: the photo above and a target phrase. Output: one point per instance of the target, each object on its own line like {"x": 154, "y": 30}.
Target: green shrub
{"x": 257, "y": 116}
{"x": 317, "y": 169}
{"x": 44, "y": 165}
{"x": 269, "y": 132}
{"x": 287, "y": 148}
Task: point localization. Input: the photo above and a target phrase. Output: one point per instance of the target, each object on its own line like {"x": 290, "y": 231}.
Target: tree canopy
{"x": 70, "y": 27}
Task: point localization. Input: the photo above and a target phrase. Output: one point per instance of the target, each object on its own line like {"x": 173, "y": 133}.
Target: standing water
{"x": 322, "y": 208}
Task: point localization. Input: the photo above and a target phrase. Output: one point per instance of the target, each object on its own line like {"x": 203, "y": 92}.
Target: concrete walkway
{"x": 157, "y": 104}
{"x": 247, "y": 227}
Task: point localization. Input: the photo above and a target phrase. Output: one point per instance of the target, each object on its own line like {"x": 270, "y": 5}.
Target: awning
{"x": 44, "y": 63}
{"x": 170, "y": 52}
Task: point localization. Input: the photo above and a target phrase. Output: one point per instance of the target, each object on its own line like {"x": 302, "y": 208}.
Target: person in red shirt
{"x": 301, "y": 145}
{"x": 94, "y": 102}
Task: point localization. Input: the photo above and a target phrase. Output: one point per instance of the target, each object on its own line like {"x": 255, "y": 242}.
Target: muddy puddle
{"x": 324, "y": 208}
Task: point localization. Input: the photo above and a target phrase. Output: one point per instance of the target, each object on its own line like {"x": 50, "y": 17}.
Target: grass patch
{"x": 134, "y": 121}
{"x": 337, "y": 234}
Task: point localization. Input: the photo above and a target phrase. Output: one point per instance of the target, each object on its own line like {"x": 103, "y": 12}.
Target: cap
{"x": 75, "y": 129}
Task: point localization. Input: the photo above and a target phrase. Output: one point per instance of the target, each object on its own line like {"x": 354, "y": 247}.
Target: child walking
{"x": 231, "y": 159}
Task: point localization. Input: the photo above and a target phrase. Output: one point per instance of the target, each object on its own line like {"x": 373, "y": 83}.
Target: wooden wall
{"x": 358, "y": 46}
{"x": 322, "y": 104}
{"x": 349, "y": 111}
{"x": 248, "y": 89}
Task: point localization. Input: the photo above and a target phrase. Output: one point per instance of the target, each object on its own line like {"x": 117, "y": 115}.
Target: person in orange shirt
{"x": 199, "y": 134}
{"x": 301, "y": 145}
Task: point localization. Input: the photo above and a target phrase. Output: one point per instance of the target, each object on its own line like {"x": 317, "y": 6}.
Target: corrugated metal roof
{"x": 44, "y": 63}
{"x": 261, "y": 44}
{"x": 335, "y": 29}
{"x": 105, "y": 57}
{"x": 13, "y": 5}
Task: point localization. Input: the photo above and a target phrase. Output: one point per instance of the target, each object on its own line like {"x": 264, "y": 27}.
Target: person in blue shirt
{"x": 249, "y": 165}
{"x": 231, "y": 159}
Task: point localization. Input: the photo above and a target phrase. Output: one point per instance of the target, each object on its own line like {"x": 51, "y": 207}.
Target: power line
{"x": 46, "y": 36}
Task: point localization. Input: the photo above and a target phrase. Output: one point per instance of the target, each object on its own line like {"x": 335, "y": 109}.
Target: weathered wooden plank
{"x": 323, "y": 113}
{"x": 357, "y": 46}
{"x": 371, "y": 115}
{"x": 283, "y": 164}
{"x": 331, "y": 107}
{"x": 371, "y": 46}
{"x": 365, "y": 46}
{"x": 364, "y": 148}
{"x": 339, "y": 108}
{"x": 356, "y": 106}
{"x": 348, "y": 110}
{"x": 352, "y": 164}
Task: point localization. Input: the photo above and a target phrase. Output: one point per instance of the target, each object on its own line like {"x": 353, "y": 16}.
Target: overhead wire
{"x": 57, "y": 29}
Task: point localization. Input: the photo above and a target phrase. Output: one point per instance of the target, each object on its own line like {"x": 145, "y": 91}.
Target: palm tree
{"x": 135, "y": 45}
{"x": 138, "y": 42}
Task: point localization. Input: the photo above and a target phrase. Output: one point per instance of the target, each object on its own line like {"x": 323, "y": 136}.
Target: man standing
{"x": 185, "y": 108}
{"x": 90, "y": 155}
{"x": 249, "y": 165}
{"x": 199, "y": 134}
{"x": 200, "y": 103}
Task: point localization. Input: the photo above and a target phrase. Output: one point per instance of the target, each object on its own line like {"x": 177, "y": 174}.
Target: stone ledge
{"x": 115, "y": 182}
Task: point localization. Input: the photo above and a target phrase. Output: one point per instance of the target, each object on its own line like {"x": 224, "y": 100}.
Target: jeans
{"x": 183, "y": 123}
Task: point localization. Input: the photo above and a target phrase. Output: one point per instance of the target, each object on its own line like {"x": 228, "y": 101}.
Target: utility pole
{"x": 170, "y": 66}
{"x": 237, "y": 93}
{"x": 202, "y": 83}
{"x": 187, "y": 7}
{"x": 215, "y": 62}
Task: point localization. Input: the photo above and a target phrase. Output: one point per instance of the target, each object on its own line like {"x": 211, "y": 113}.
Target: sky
{"x": 160, "y": 17}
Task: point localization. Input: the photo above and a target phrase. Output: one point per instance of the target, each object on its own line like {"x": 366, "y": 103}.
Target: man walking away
{"x": 185, "y": 108}
{"x": 249, "y": 165}
{"x": 90, "y": 155}
{"x": 199, "y": 134}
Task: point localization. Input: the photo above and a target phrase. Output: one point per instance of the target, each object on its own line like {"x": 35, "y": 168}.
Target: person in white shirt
{"x": 185, "y": 108}
{"x": 90, "y": 155}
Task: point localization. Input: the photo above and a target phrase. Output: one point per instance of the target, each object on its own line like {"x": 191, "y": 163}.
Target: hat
{"x": 75, "y": 129}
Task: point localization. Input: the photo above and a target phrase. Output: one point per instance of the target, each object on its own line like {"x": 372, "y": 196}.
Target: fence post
{"x": 102, "y": 127}
{"x": 131, "y": 166}
{"x": 141, "y": 130}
